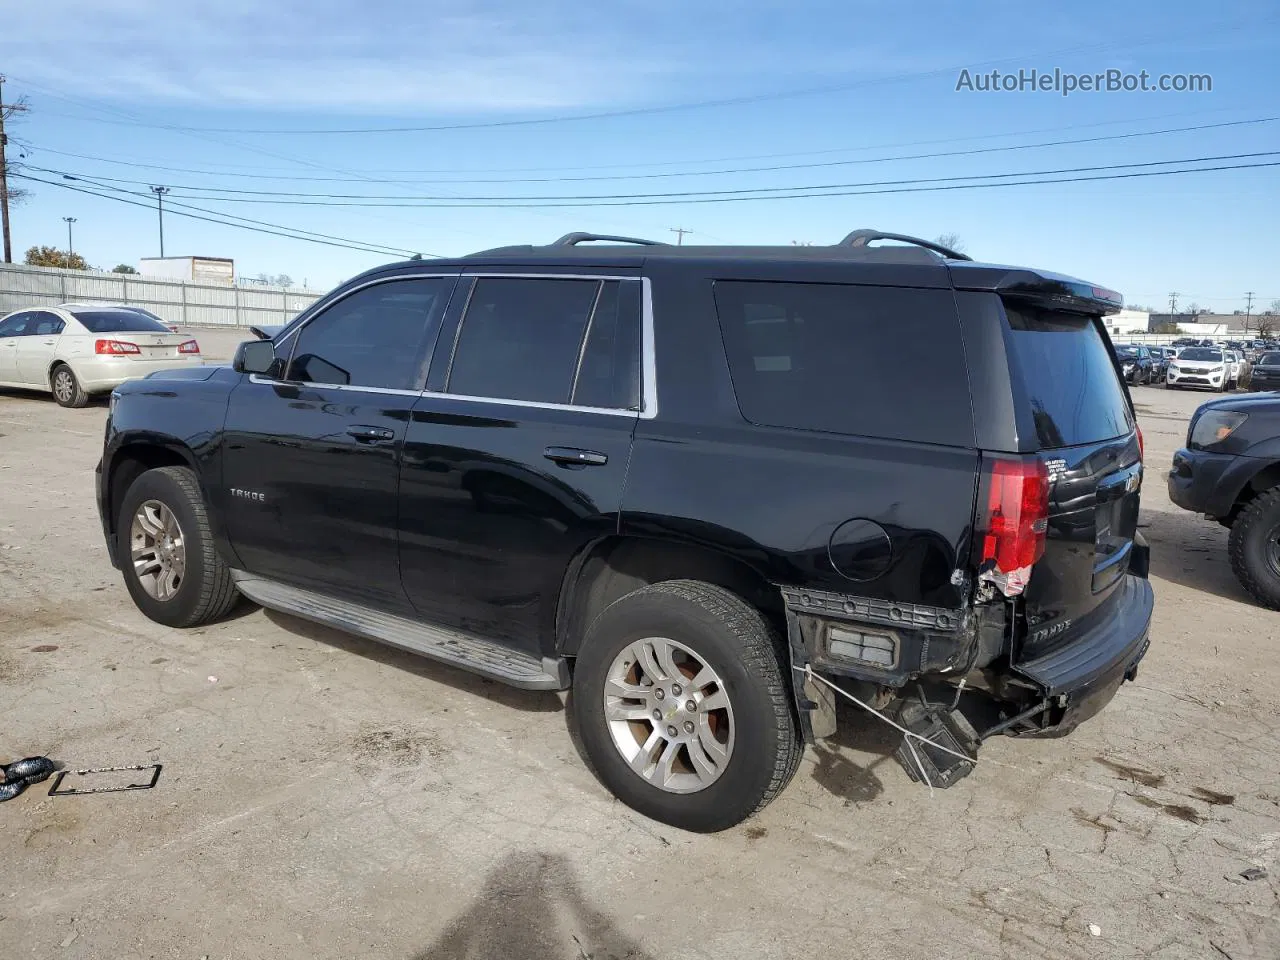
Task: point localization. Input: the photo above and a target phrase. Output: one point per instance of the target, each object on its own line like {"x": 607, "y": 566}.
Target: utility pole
{"x": 680, "y": 232}
{"x": 11, "y": 110}
{"x": 1173, "y": 305}
{"x": 1248, "y": 309}
{"x": 71, "y": 250}
{"x": 160, "y": 192}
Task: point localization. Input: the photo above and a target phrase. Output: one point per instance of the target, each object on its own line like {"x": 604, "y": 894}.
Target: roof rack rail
{"x": 863, "y": 238}
{"x": 573, "y": 239}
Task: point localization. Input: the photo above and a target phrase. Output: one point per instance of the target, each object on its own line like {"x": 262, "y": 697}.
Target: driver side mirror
{"x": 258, "y": 356}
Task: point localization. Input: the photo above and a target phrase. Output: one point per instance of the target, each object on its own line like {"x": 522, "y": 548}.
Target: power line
{"x": 929, "y": 186}
{"x": 295, "y": 198}
{"x": 294, "y": 235}
{"x": 368, "y": 175}
{"x": 739, "y": 170}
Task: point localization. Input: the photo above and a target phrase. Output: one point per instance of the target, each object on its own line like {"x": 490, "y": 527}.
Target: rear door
{"x": 1082, "y": 418}
{"x": 515, "y": 457}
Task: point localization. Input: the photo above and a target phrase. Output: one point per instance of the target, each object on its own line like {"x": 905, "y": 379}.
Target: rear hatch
{"x": 1091, "y": 449}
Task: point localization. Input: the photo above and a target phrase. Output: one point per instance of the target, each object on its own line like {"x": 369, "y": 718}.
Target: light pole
{"x": 71, "y": 250}
{"x": 160, "y": 192}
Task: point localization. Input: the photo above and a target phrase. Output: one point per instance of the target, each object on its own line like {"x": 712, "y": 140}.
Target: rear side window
{"x": 119, "y": 321}
{"x": 866, "y": 361}
{"x": 1071, "y": 381}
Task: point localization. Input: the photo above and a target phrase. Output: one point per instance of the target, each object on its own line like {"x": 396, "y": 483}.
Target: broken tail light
{"x": 1013, "y": 528}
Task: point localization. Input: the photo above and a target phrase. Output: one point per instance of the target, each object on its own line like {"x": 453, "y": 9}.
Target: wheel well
{"x": 54, "y": 366}
{"x": 1261, "y": 482}
{"x": 616, "y": 566}
{"x": 131, "y": 463}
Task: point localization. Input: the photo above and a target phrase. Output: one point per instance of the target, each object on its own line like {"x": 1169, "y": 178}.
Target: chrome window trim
{"x": 648, "y": 354}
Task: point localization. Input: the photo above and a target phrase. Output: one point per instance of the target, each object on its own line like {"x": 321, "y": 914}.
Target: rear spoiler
{"x": 1050, "y": 291}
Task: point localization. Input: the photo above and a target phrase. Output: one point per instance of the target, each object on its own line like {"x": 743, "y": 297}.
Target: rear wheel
{"x": 683, "y": 707}
{"x": 1254, "y": 548}
{"x": 165, "y": 549}
{"x": 66, "y": 388}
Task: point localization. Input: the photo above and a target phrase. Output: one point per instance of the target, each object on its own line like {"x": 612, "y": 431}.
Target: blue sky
{"x": 218, "y": 93}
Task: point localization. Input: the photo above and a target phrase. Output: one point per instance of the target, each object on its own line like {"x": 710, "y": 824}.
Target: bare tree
{"x": 951, "y": 241}
{"x": 1267, "y": 324}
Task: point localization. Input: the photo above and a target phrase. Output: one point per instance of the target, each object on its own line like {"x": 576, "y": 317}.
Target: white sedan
{"x": 75, "y": 350}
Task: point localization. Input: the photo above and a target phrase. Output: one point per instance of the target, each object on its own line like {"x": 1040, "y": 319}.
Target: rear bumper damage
{"x": 924, "y": 688}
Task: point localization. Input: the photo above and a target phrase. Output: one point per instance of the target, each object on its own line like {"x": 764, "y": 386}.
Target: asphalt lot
{"x": 327, "y": 797}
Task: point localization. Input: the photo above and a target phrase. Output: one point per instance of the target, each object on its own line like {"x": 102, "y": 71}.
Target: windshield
{"x": 1124, "y": 350}
{"x": 1269, "y": 360}
{"x": 1201, "y": 354}
{"x": 117, "y": 320}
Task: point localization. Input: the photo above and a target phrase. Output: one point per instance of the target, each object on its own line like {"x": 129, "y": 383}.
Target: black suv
{"x": 1230, "y": 472}
{"x": 682, "y": 483}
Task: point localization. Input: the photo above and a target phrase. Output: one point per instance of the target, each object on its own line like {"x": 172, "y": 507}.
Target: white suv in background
{"x": 75, "y": 350}
{"x": 1207, "y": 368}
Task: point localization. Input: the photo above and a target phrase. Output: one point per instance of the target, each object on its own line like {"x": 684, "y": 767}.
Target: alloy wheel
{"x": 158, "y": 550}
{"x": 669, "y": 715}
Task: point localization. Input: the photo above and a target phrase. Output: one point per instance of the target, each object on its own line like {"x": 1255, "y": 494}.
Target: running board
{"x": 484, "y": 657}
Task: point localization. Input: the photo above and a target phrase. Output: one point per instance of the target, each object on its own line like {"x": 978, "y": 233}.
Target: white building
{"x": 1127, "y": 322}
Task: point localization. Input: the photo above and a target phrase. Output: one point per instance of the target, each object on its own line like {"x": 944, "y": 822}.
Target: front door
{"x": 12, "y": 331}
{"x": 311, "y": 461}
{"x": 515, "y": 459}
{"x": 36, "y": 350}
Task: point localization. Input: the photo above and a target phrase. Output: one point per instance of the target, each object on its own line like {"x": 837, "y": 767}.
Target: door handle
{"x": 573, "y": 456}
{"x": 50, "y": 343}
{"x": 365, "y": 434}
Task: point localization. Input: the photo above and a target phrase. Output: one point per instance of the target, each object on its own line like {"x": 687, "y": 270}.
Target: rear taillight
{"x": 115, "y": 348}
{"x": 189, "y": 347}
{"x": 1016, "y": 522}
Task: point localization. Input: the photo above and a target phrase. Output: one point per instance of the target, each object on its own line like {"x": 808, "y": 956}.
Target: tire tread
{"x": 1245, "y": 521}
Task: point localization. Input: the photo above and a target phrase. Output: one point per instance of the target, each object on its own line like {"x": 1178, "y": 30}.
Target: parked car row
{"x": 76, "y": 350}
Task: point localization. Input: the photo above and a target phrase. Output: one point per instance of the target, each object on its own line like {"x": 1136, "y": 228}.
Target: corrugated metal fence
{"x": 172, "y": 300}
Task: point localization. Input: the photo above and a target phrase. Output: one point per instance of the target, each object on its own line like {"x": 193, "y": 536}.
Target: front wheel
{"x": 1254, "y": 548}
{"x": 683, "y": 707}
{"x": 164, "y": 546}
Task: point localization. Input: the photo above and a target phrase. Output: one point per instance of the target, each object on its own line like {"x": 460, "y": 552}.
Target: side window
{"x": 15, "y": 326}
{"x": 375, "y": 337}
{"x": 521, "y": 339}
{"x": 812, "y": 356}
{"x": 47, "y": 324}
{"x": 609, "y": 374}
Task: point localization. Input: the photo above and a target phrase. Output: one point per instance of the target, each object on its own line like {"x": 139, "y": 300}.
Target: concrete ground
{"x": 327, "y": 797}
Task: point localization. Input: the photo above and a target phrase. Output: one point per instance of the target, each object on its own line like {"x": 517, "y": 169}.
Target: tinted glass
{"x": 376, "y": 337}
{"x": 609, "y": 375}
{"x": 1126, "y": 351}
{"x": 14, "y": 326}
{"x": 1073, "y": 387}
{"x": 47, "y": 324}
{"x": 520, "y": 339}
{"x": 1201, "y": 354}
{"x": 822, "y": 357}
{"x": 108, "y": 320}
{"x": 1270, "y": 359}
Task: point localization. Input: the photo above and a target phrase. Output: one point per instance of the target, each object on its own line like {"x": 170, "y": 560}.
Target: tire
{"x": 1168, "y": 385}
{"x": 204, "y": 591}
{"x": 712, "y": 628}
{"x": 1254, "y": 548}
{"x": 66, "y": 388}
